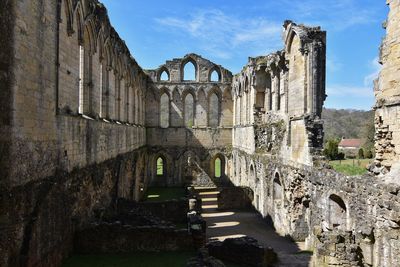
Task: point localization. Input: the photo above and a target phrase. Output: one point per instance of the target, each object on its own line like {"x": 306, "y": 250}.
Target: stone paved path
{"x": 227, "y": 224}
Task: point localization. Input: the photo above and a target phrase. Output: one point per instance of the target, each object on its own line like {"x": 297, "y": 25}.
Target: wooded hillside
{"x": 347, "y": 123}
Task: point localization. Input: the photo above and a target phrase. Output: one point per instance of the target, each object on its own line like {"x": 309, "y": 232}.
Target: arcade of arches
{"x": 90, "y": 129}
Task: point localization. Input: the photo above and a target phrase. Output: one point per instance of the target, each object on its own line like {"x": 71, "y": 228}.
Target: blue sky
{"x": 228, "y": 32}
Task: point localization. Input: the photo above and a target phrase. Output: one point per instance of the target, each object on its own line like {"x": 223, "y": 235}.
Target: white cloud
{"x": 349, "y": 91}
{"x": 335, "y": 15}
{"x": 225, "y": 35}
{"x": 363, "y": 94}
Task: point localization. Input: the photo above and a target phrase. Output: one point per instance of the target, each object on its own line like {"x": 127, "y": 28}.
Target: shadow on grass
{"x": 158, "y": 194}
{"x": 136, "y": 259}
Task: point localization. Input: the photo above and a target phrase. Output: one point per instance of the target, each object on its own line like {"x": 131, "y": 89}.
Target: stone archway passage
{"x": 233, "y": 223}
{"x": 217, "y": 167}
{"x": 160, "y": 167}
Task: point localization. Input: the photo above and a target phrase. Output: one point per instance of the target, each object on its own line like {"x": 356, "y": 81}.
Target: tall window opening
{"x": 278, "y": 189}
{"x": 260, "y": 86}
{"x": 253, "y": 174}
{"x": 189, "y": 72}
{"x": 117, "y": 98}
{"x": 214, "y": 110}
{"x": 268, "y": 91}
{"x": 215, "y": 77}
{"x": 81, "y": 81}
{"x": 160, "y": 167}
{"x": 136, "y": 107}
{"x": 278, "y": 93}
{"x": 127, "y": 103}
{"x": 218, "y": 166}
{"x": 189, "y": 111}
{"x": 164, "y": 111}
{"x": 164, "y": 76}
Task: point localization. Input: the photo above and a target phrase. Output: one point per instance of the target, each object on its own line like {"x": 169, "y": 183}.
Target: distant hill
{"x": 347, "y": 123}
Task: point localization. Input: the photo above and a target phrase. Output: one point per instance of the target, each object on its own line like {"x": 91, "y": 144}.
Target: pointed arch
{"x": 227, "y": 108}
{"x": 214, "y": 107}
{"x": 152, "y": 107}
{"x": 163, "y": 74}
{"x": 176, "y": 111}
{"x": 164, "y": 108}
{"x": 108, "y": 78}
{"x": 137, "y": 109}
{"x": 218, "y": 166}
{"x": 214, "y": 75}
{"x": 90, "y": 30}
{"x": 189, "y": 108}
{"x": 246, "y": 84}
{"x": 119, "y": 82}
{"x": 160, "y": 170}
{"x": 78, "y": 15}
{"x": 201, "y": 108}
{"x": 189, "y": 60}
{"x": 160, "y": 166}
{"x": 69, "y": 14}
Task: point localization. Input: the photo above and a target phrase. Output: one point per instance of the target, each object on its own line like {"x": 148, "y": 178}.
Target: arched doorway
{"x": 217, "y": 168}
{"x": 160, "y": 167}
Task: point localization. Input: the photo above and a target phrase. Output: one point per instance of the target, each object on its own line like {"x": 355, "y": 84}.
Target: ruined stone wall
{"x": 188, "y": 120}
{"x": 346, "y": 221}
{"x": 387, "y": 93}
{"x": 278, "y": 98}
{"x": 7, "y": 10}
{"x": 72, "y": 130}
{"x": 48, "y": 89}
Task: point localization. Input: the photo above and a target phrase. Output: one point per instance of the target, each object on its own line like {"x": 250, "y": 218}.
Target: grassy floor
{"x": 164, "y": 193}
{"x": 138, "y": 259}
{"x": 142, "y": 259}
{"x": 350, "y": 167}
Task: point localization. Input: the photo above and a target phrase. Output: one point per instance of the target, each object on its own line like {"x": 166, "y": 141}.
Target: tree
{"x": 331, "y": 150}
{"x": 369, "y": 135}
{"x": 361, "y": 153}
{"x": 368, "y": 154}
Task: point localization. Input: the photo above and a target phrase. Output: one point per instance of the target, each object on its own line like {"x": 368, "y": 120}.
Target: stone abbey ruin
{"x": 85, "y": 131}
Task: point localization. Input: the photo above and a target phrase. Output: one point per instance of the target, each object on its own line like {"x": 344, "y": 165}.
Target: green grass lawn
{"x": 156, "y": 194}
{"x": 217, "y": 168}
{"x": 137, "y": 259}
{"x": 346, "y": 166}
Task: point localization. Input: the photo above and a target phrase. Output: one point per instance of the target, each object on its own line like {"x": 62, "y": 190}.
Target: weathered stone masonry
{"x": 387, "y": 98}
{"x": 69, "y": 147}
{"x": 345, "y": 221}
{"x": 74, "y": 136}
{"x": 189, "y": 123}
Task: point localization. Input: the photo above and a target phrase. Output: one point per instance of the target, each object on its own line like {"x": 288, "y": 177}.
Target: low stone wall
{"x": 204, "y": 259}
{"x": 244, "y": 250}
{"x": 172, "y": 210}
{"x": 235, "y": 198}
{"x": 38, "y": 220}
{"x": 344, "y": 220}
{"x": 120, "y": 238}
